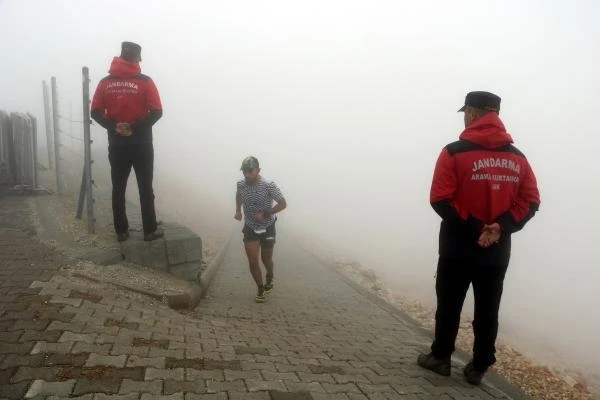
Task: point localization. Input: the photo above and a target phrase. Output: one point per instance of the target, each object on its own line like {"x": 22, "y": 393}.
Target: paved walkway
{"x": 316, "y": 338}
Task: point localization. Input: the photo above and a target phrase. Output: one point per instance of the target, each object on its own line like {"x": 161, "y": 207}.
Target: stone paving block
{"x": 171, "y": 386}
{"x": 78, "y": 337}
{"x": 157, "y": 352}
{"x": 280, "y": 376}
{"x": 38, "y": 325}
{"x": 155, "y": 373}
{"x": 174, "y": 396}
{"x": 229, "y": 386}
{"x": 102, "y": 396}
{"x": 51, "y": 291}
{"x": 107, "y": 386}
{"x": 292, "y": 367}
{"x": 104, "y": 360}
{"x": 31, "y": 374}
{"x": 81, "y": 347}
{"x": 350, "y": 378}
{"x": 16, "y": 348}
{"x": 45, "y": 347}
{"x": 66, "y": 300}
{"x": 175, "y": 345}
{"x": 74, "y": 360}
{"x": 66, "y": 326}
{"x": 294, "y": 386}
{"x": 10, "y": 336}
{"x": 208, "y": 396}
{"x": 131, "y": 386}
{"x": 306, "y": 377}
{"x": 259, "y": 385}
{"x": 105, "y": 338}
{"x": 17, "y": 360}
{"x": 153, "y": 362}
{"x": 40, "y": 336}
{"x": 195, "y": 374}
{"x": 368, "y": 388}
{"x": 276, "y": 395}
{"x": 340, "y": 388}
{"x": 84, "y": 397}
{"x": 42, "y": 388}
{"x": 372, "y": 396}
{"x": 235, "y": 375}
{"x": 329, "y": 396}
{"x": 249, "y": 365}
{"x": 100, "y": 329}
{"x": 45, "y": 285}
{"x": 249, "y": 396}
{"x": 14, "y": 391}
{"x": 141, "y": 351}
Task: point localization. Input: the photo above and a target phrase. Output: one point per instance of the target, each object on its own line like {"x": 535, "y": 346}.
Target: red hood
{"x": 487, "y": 131}
{"x": 123, "y": 69}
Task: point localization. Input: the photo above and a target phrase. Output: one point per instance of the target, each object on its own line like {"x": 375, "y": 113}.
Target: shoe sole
{"x": 257, "y": 300}
{"x": 440, "y": 370}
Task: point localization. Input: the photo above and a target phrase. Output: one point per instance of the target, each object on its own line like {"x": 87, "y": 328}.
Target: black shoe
{"x": 157, "y": 234}
{"x": 269, "y": 284}
{"x": 123, "y": 236}
{"x": 438, "y": 365}
{"x": 472, "y": 375}
{"x": 260, "y": 296}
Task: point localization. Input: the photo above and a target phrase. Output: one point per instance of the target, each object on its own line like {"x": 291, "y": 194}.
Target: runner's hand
{"x": 238, "y": 215}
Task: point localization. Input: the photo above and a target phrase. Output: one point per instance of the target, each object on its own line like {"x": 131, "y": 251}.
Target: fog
{"x": 347, "y": 105}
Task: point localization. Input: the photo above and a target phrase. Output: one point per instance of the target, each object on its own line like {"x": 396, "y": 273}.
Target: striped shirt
{"x": 258, "y": 198}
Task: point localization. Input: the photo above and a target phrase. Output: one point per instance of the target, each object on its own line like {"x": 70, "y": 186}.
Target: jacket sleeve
{"x": 443, "y": 188}
{"x": 98, "y": 110}
{"x": 154, "y": 106}
{"x": 525, "y": 205}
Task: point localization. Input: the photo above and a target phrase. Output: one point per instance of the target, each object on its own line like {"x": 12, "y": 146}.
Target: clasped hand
{"x": 490, "y": 234}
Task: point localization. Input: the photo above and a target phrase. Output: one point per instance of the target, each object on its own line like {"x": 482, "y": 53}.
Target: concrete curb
{"x": 209, "y": 273}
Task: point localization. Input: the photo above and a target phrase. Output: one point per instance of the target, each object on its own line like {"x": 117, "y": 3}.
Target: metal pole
{"x": 88, "y": 149}
{"x": 48, "y": 121}
{"x": 55, "y": 117}
{"x": 81, "y": 193}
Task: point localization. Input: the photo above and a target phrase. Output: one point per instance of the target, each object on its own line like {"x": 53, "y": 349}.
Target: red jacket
{"x": 481, "y": 179}
{"x": 126, "y": 95}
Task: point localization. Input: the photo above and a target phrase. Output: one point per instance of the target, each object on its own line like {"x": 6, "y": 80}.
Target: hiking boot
{"x": 438, "y": 365}
{"x": 269, "y": 284}
{"x": 157, "y": 234}
{"x": 123, "y": 236}
{"x": 472, "y": 375}
{"x": 260, "y": 296}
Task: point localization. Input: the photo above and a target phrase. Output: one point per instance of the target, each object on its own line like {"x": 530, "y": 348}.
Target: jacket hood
{"x": 123, "y": 69}
{"x": 487, "y": 131}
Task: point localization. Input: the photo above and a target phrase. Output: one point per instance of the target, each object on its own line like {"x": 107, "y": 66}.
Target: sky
{"x": 347, "y": 105}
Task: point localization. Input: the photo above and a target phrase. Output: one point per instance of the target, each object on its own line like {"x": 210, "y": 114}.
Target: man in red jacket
{"x": 127, "y": 105}
{"x": 485, "y": 190}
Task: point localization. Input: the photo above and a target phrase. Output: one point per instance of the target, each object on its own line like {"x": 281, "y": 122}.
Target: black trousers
{"x": 453, "y": 279}
{"x": 141, "y": 158}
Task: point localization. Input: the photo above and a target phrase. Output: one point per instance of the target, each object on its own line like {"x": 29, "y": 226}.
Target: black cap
{"x": 249, "y": 163}
{"x": 482, "y": 100}
{"x": 130, "y": 50}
